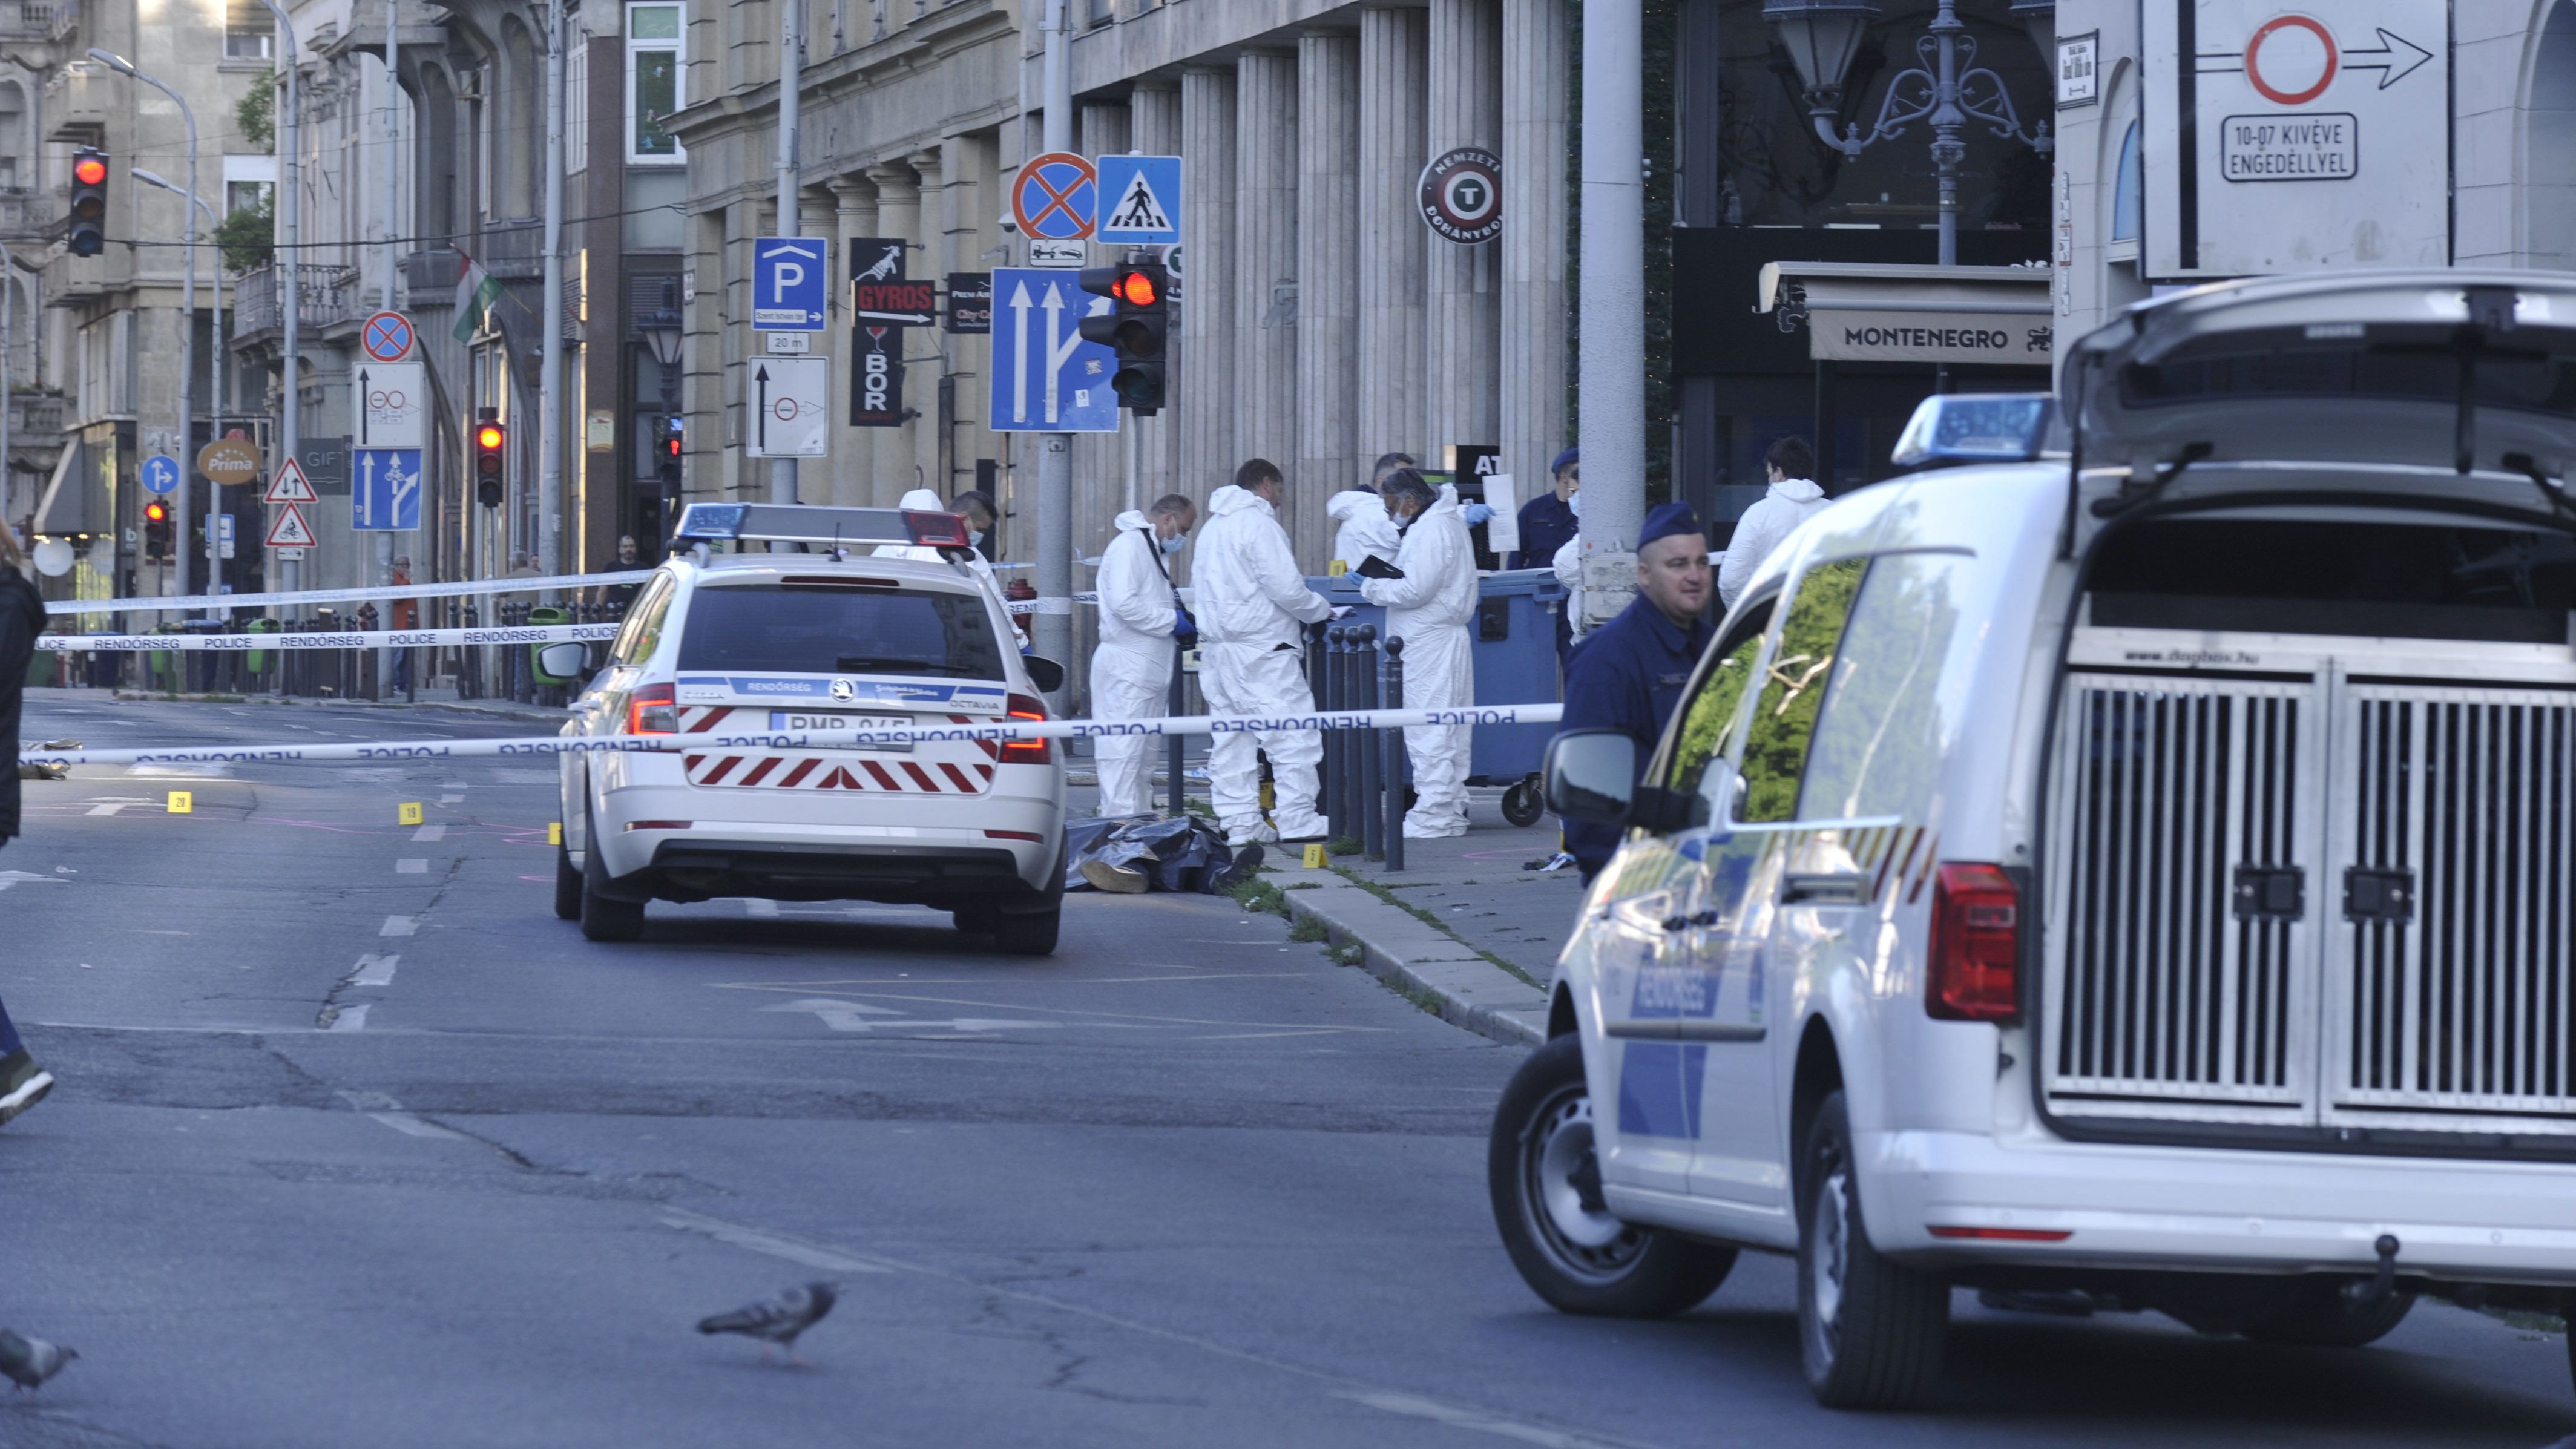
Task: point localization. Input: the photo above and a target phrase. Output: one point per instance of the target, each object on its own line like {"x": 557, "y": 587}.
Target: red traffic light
{"x": 156, "y": 511}
{"x": 1136, "y": 289}
{"x": 488, "y": 437}
{"x": 90, "y": 171}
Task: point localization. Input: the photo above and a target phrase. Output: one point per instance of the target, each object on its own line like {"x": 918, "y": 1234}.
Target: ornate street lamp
{"x": 1948, "y": 89}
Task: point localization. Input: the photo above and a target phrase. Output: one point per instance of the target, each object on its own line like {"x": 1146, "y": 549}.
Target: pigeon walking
{"x": 777, "y": 1319}
{"x": 30, "y": 1361}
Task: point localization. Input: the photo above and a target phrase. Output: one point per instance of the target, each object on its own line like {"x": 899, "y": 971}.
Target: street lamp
{"x": 188, "y": 309}
{"x": 1948, "y": 89}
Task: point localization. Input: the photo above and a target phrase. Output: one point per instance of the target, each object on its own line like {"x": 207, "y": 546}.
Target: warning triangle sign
{"x": 288, "y": 529}
{"x": 289, "y": 486}
{"x": 1138, "y": 208}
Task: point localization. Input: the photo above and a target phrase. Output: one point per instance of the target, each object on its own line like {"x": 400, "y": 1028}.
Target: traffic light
{"x": 675, "y": 429}
{"x": 89, "y": 202}
{"x": 156, "y": 531}
{"x": 1135, "y": 327}
{"x": 491, "y": 458}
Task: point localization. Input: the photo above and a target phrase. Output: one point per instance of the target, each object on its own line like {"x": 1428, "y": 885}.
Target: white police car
{"x": 2142, "y": 877}
{"x": 738, "y": 643}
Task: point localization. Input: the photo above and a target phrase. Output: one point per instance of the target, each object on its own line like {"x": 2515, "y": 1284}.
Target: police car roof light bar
{"x": 1975, "y": 428}
{"x": 810, "y": 523}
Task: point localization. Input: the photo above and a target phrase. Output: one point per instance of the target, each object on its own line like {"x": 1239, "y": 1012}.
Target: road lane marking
{"x": 430, "y": 832}
{"x": 112, "y": 804}
{"x": 838, "y": 1015}
{"x": 401, "y": 926}
{"x": 411, "y": 1126}
{"x": 351, "y": 1018}
{"x": 10, "y": 878}
{"x": 411, "y": 867}
{"x": 776, "y": 1245}
{"x": 375, "y": 971}
{"x": 1414, "y": 1407}
{"x": 451, "y": 799}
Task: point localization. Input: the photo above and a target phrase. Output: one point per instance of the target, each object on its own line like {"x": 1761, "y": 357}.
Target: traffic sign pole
{"x": 1054, "y": 632}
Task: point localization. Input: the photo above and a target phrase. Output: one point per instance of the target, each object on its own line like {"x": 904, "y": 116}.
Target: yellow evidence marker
{"x": 407, "y": 813}
{"x": 554, "y": 832}
{"x": 1315, "y": 857}
{"x": 183, "y": 802}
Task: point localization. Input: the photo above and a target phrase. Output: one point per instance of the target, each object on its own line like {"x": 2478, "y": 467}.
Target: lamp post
{"x": 187, "y": 308}
{"x": 290, "y": 442}
{"x": 187, "y": 382}
{"x": 1947, "y": 89}
{"x": 664, "y": 344}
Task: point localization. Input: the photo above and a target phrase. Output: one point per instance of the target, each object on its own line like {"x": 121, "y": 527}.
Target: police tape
{"x": 997, "y": 732}
{"x": 327, "y": 639}
{"x": 351, "y": 596}
{"x": 1054, "y": 606}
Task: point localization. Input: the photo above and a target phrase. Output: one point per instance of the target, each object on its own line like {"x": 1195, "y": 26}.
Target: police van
{"x": 877, "y": 622}
{"x": 2127, "y": 864}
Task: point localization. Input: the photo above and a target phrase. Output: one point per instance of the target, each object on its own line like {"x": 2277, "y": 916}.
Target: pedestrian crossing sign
{"x": 1140, "y": 200}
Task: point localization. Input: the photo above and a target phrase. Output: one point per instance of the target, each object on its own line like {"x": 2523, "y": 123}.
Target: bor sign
{"x": 2282, "y": 141}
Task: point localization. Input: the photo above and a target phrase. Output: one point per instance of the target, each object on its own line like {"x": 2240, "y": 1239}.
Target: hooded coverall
{"x": 1365, "y": 528}
{"x": 1252, "y": 602}
{"x": 1428, "y": 609}
{"x": 1131, "y": 670}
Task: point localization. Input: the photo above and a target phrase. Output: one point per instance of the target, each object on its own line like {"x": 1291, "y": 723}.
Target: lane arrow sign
{"x": 364, "y": 412}
{"x": 762, "y": 377}
{"x": 2395, "y": 59}
{"x": 1020, "y": 367}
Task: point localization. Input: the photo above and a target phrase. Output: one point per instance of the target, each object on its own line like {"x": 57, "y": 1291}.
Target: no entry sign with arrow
{"x": 787, "y": 407}
{"x": 2281, "y": 141}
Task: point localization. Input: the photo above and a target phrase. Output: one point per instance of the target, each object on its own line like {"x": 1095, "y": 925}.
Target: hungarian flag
{"x": 476, "y": 291}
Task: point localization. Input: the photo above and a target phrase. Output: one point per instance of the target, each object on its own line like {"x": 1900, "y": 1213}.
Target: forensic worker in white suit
{"x": 1143, "y": 628}
{"x": 1428, "y": 606}
{"x": 1253, "y": 606}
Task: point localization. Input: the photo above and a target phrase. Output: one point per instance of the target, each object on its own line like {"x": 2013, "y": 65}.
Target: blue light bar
{"x": 1986, "y": 427}
{"x": 813, "y": 523}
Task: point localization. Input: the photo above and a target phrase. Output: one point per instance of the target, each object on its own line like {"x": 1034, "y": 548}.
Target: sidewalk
{"x": 1463, "y": 929}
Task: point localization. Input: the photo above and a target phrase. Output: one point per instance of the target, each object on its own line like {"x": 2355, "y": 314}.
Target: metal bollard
{"x": 1372, "y": 835}
{"x": 1363, "y": 640}
{"x": 1335, "y": 645}
{"x": 1393, "y": 746}
{"x": 1172, "y": 743}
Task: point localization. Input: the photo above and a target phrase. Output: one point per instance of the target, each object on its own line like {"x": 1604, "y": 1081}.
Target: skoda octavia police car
{"x": 2139, "y": 873}
{"x": 838, "y": 638}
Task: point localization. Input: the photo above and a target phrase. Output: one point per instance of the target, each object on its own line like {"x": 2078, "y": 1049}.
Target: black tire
{"x": 1870, "y": 1331}
{"x": 567, "y": 886}
{"x": 604, "y": 918}
{"x": 2319, "y": 1316}
{"x": 1546, "y": 1190}
{"x": 1033, "y": 934}
{"x": 975, "y": 920}
{"x": 1523, "y": 804}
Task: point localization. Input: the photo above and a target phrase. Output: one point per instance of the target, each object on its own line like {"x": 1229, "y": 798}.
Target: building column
{"x": 1204, "y": 396}
{"x": 1154, "y": 127}
{"x": 854, "y": 449}
{"x": 1394, "y": 80}
{"x": 925, "y": 349}
{"x": 1535, "y": 94}
{"x": 1328, "y": 161}
{"x": 898, "y": 215}
{"x": 1465, "y": 332}
{"x": 1265, "y": 291}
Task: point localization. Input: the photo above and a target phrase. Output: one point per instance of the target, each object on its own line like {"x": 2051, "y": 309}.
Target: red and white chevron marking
{"x": 970, "y": 772}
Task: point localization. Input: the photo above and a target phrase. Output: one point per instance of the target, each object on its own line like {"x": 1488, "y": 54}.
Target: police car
{"x": 2130, "y": 872}
{"x": 837, "y": 637}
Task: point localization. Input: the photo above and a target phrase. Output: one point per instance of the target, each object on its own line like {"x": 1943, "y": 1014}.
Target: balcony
{"x": 325, "y": 295}
{"x": 28, "y": 19}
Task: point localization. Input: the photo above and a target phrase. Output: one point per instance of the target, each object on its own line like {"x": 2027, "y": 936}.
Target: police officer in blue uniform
{"x": 1628, "y": 675}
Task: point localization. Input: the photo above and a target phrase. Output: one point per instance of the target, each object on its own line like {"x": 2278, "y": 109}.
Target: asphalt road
{"x": 358, "y": 1145}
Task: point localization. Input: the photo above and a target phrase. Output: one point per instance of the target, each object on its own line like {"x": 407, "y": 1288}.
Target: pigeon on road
{"x": 30, "y": 1361}
{"x": 777, "y": 1319}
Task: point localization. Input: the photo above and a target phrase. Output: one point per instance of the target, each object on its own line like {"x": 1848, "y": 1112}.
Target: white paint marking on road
{"x": 351, "y": 1018}
{"x": 180, "y": 771}
{"x": 838, "y": 1015}
{"x": 979, "y": 1023}
{"x": 411, "y": 867}
{"x": 1455, "y": 1417}
{"x": 374, "y": 971}
{"x": 411, "y": 1126}
{"x": 9, "y": 878}
{"x": 451, "y": 799}
{"x": 401, "y": 926}
{"x": 430, "y": 832}
{"x": 755, "y": 906}
{"x": 111, "y": 804}
{"x": 776, "y": 1245}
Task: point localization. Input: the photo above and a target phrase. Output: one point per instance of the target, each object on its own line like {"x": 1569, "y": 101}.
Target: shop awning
{"x": 1891, "y": 313}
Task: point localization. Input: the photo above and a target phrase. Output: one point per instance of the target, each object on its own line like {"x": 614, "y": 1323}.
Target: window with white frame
{"x": 576, "y": 104}
{"x": 250, "y": 31}
{"x": 653, "y": 81}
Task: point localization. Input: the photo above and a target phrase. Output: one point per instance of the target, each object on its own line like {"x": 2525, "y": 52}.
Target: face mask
{"x": 1176, "y": 543}
{"x": 1574, "y": 503}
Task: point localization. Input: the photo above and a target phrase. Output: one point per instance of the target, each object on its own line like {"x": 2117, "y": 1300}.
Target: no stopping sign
{"x": 1461, "y": 195}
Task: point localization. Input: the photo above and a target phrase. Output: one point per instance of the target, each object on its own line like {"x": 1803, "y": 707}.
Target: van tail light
{"x": 652, "y": 710}
{"x": 1976, "y": 946}
{"x": 1027, "y": 752}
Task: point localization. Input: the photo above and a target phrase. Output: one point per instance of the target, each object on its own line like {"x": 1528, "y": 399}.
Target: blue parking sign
{"x": 787, "y": 284}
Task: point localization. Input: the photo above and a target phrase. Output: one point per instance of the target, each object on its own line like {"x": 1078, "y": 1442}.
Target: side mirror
{"x": 1046, "y": 674}
{"x": 563, "y": 661}
{"x": 1592, "y": 776}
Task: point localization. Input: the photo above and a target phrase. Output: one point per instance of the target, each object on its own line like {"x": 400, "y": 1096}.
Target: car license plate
{"x": 815, "y": 721}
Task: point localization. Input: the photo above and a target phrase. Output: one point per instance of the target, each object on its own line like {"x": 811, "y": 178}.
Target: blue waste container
{"x": 1514, "y": 634}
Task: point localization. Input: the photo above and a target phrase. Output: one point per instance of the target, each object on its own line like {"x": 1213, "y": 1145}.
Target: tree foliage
{"x": 248, "y": 235}
{"x": 256, "y": 114}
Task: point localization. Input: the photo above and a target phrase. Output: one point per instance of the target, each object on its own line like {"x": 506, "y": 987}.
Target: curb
{"x": 485, "y": 709}
{"x": 1418, "y": 961}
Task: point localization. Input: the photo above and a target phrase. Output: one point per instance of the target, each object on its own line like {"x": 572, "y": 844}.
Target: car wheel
{"x": 1546, "y": 1189}
{"x": 1030, "y": 935}
{"x": 975, "y": 920}
{"x": 567, "y": 886}
{"x": 604, "y": 918}
{"x": 2319, "y": 1316}
{"x": 1870, "y": 1331}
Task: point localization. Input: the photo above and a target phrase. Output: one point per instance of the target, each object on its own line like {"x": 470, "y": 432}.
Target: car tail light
{"x": 1030, "y": 836}
{"x": 652, "y": 710}
{"x": 937, "y": 530}
{"x": 1027, "y": 752}
{"x": 2005, "y": 1235}
{"x": 1976, "y": 945}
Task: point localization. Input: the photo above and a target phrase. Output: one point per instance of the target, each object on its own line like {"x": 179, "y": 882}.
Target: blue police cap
{"x": 1668, "y": 520}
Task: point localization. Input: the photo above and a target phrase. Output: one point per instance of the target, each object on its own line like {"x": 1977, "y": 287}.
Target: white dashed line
{"x": 451, "y": 799}
{"x": 401, "y": 926}
{"x": 430, "y": 832}
{"x": 411, "y": 867}
{"x": 351, "y": 1018}
{"x": 1455, "y": 1417}
{"x": 375, "y": 971}
{"x": 411, "y": 1126}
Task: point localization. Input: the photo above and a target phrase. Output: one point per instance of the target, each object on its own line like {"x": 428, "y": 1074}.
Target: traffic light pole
{"x": 291, "y": 568}
{"x": 1055, "y": 450}
{"x": 550, "y": 361}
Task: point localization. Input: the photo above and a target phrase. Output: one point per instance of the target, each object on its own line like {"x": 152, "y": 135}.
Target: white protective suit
{"x": 922, "y": 500}
{"x": 1365, "y": 528}
{"x": 1131, "y": 670}
{"x": 1790, "y": 502}
{"x": 1568, "y": 565}
{"x": 1252, "y": 604}
{"x": 1428, "y": 609}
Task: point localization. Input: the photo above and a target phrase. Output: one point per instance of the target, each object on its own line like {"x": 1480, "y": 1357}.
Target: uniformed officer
{"x": 1628, "y": 674}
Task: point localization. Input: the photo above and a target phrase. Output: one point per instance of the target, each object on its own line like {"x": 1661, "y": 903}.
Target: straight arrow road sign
{"x": 790, "y": 407}
{"x": 1057, "y": 382}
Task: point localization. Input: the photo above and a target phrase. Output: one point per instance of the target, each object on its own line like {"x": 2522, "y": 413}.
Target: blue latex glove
{"x": 1183, "y": 626}
{"x": 1475, "y": 513}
